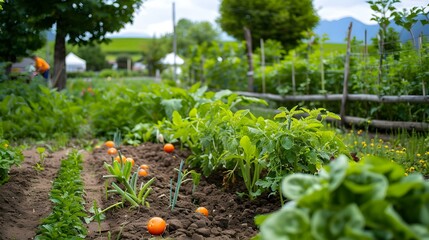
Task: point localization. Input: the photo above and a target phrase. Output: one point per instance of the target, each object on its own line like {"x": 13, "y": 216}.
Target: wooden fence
{"x": 344, "y": 97}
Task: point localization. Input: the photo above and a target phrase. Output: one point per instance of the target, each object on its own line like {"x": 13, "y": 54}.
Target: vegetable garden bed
{"x": 24, "y": 200}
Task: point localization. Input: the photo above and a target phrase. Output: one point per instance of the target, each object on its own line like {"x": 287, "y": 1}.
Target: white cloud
{"x": 155, "y": 16}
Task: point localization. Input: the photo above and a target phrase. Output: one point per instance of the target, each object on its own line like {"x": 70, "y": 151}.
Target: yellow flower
{"x": 359, "y": 132}
{"x": 406, "y": 174}
{"x": 412, "y": 169}
{"x": 386, "y": 147}
{"x": 380, "y": 140}
{"x": 5, "y": 145}
{"x": 418, "y": 154}
{"x": 372, "y": 144}
{"x": 421, "y": 161}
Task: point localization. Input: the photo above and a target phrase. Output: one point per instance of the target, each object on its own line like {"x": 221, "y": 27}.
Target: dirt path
{"x": 94, "y": 191}
{"x": 24, "y": 200}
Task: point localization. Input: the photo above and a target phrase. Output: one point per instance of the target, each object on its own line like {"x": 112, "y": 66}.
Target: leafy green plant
{"x": 242, "y": 144}
{"x": 9, "y": 156}
{"x": 67, "y": 196}
{"x": 136, "y": 196}
{"x": 249, "y": 165}
{"x": 372, "y": 199}
{"x": 42, "y": 155}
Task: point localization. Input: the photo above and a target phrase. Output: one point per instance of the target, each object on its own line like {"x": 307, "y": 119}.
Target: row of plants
{"x": 259, "y": 151}
{"x": 67, "y": 218}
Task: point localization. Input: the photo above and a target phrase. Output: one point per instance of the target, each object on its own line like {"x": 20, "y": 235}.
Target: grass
{"x": 126, "y": 45}
{"x": 408, "y": 149}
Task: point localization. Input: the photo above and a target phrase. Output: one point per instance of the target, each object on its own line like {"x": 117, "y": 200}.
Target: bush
{"x": 9, "y": 156}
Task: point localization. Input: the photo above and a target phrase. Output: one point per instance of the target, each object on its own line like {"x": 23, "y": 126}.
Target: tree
{"x": 17, "y": 37}
{"x": 153, "y": 55}
{"x": 285, "y": 21}
{"x": 81, "y": 22}
{"x": 95, "y": 58}
{"x": 194, "y": 34}
{"x": 407, "y": 19}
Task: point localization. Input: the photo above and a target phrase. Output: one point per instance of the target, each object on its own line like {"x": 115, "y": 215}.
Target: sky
{"x": 155, "y": 17}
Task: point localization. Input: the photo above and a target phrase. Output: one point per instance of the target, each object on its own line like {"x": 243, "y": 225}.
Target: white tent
{"x": 75, "y": 63}
{"x": 169, "y": 59}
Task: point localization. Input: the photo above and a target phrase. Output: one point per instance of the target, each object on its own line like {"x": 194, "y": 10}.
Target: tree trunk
{"x": 59, "y": 78}
{"x": 248, "y": 37}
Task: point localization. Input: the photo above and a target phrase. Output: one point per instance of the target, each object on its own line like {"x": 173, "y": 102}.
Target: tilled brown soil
{"x": 24, "y": 200}
{"x": 230, "y": 217}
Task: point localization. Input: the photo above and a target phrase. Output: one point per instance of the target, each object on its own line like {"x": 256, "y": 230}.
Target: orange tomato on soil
{"x": 144, "y": 166}
{"x": 156, "y": 226}
{"x": 118, "y": 159}
{"x": 112, "y": 151}
{"x": 143, "y": 173}
{"x": 168, "y": 147}
{"x": 130, "y": 160}
{"x": 109, "y": 144}
{"x": 203, "y": 211}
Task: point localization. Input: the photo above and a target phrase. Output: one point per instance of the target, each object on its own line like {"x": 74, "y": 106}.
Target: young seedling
{"x": 40, "y": 165}
{"x": 182, "y": 178}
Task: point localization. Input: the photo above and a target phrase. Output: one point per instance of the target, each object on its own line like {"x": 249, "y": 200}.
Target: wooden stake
{"x": 346, "y": 76}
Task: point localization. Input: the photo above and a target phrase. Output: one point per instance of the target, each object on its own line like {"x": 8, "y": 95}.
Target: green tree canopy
{"x": 79, "y": 21}
{"x": 17, "y": 37}
{"x": 285, "y": 21}
{"x": 94, "y": 57}
{"x": 194, "y": 34}
{"x": 159, "y": 47}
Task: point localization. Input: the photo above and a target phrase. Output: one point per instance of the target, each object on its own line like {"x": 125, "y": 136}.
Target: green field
{"x": 126, "y": 45}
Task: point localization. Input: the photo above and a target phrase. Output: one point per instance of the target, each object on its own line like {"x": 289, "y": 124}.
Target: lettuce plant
{"x": 372, "y": 199}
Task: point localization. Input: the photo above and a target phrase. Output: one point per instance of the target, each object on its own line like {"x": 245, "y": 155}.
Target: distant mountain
{"x": 337, "y": 30}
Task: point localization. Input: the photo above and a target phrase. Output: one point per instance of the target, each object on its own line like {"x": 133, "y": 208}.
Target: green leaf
{"x": 365, "y": 186}
{"x": 399, "y": 189}
{"x": 349, "y": 217}
{"x": 295, "y": 224}
{"x": 286, "y": 142}
{"x": 247, "y": 146}
{"x": 297, "y": 185}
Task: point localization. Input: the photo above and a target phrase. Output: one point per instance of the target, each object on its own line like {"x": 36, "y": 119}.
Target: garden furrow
{"x": 94, "y": 191}
{"x": 24, "y": 199}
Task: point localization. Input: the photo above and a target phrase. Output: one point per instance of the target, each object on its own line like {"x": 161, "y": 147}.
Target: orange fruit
{"x": 144, "y": 166}
{"x": 112, "y": 151}
{"x": 203, "y": 211}
{"x": 156, "y": 226}
{"x": 168, "y": 147}
{"x": 109, "y": 144}
{"x": 118, "y": 159}
{"x": 143, "y": 173}
{"x": 130, "y": 160}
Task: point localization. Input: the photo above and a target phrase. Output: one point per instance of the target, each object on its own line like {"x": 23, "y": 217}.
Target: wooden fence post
{"x": 293, "y": 74}
{"x": 263, "y": 65}
{"x": 346, "y": 77}
{"x": 248, "y": 38}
